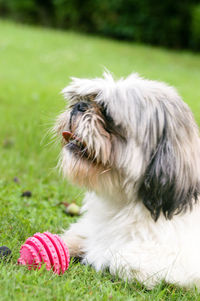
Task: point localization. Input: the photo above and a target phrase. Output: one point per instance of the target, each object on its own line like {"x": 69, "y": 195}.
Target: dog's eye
{"x": 79, "y": 107}
{"x": 107, "y": 117}
{"x": 110, "y": 126}
{"x": 82, "y": 106}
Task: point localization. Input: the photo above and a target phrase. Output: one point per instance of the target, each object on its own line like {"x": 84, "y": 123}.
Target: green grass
{"x": 35, "y": 64}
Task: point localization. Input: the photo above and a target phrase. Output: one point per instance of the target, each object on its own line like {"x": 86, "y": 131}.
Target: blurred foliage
{"x": 169, "y": 23}
{"x": 195, "y": 28}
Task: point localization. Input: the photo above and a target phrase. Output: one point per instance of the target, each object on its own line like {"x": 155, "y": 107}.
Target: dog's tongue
{"x": 67, "y": 135}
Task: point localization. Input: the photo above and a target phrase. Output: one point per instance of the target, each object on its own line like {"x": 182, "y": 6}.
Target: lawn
{"x": 35, "y": 64}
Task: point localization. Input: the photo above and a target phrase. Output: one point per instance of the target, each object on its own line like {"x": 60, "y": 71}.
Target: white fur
{"x": 116, "y": 230}
{"x": 127, "y": 241}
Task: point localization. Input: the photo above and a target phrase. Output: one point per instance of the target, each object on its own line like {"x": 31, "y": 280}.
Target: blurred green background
{"x": 169, "y": 23}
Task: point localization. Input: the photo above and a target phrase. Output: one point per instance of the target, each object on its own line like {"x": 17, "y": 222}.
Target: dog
{"x": 134, "y": 144}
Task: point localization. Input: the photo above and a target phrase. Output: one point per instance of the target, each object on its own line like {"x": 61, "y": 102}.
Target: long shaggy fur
{"x": 135, "y": 145}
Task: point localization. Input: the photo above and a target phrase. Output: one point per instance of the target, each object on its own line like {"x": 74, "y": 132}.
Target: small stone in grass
{"x": 8, "y": 143}
{"x": 65, "y": 204}
{"x": 4, "y": 252}
{"x": 27, "y": 194}
{"x": 16, "y": 179}
{"x": 73, "y": 209}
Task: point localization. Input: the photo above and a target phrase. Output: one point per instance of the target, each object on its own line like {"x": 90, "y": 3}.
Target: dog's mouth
{"x": 75, "y": 144}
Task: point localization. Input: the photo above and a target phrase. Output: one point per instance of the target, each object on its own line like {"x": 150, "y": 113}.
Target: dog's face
{"x": 135, "y": 137}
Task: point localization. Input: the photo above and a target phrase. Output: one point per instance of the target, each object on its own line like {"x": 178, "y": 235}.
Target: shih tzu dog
{"x": 135, "y": 145}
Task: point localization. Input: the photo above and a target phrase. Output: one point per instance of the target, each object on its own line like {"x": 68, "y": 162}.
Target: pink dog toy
{"x": 45, "y": 248}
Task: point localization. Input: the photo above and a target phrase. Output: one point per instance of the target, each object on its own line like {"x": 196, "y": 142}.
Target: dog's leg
{"x": 74, "y": 239}
{"x": 144, "y": 263}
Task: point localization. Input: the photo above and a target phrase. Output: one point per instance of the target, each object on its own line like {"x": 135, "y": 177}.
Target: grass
{"x": 35, "y": 64}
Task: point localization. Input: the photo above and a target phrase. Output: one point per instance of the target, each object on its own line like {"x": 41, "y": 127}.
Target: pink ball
{"x": 45, "y": 248}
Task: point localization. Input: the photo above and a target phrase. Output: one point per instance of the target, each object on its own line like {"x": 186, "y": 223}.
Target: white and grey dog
{"x": 135, "y": 145}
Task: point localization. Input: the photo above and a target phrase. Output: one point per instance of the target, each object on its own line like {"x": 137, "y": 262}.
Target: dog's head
{"x": 132, "y": 136}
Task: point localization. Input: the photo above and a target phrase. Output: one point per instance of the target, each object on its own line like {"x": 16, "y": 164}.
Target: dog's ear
{"x": 171, "y": 182}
